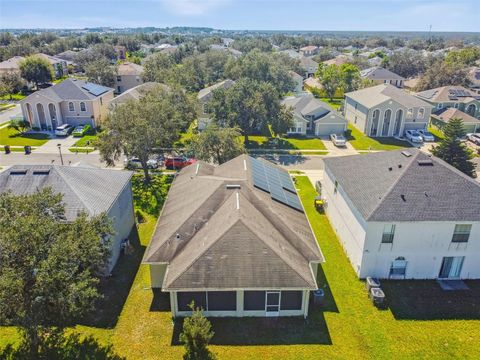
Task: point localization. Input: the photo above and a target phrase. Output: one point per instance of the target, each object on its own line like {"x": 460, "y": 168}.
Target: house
{"x": 297, "y": 80}
{"x": 309, "y": 50}
{"x": 381, "y": 75}
{"x": 474, "y": 77}
{"x": 375, "y": 61}
{"x": 313, "y": 117}
{"x": 385, "y": 110}
{"x": 135, "y": 93}
{"x": 309, "y": 66}
{"x": 11, "y": 65}
{"x": 442, "y": 117}
{"x": 234, "y": 238}
{"x": 291, "y": 53}
{"x": 129, "y": 75}
{"x": 457, "y": 97}
{"x": 216, "y": 47}
{"x": 59, "y": 66}
{"x": 337, "y": 60}
{"x": 84, "y": 189}
{"x": 204, "y": 97}
{"x": 404, "y": 215}
{"x": 72, "y": 101}
{"x": 120, "y": 51}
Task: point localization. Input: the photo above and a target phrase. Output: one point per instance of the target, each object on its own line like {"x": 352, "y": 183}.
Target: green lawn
{"x": 335, "y": 103}
{"x": 4, "y": 107}
{"x": 18, "y": 96}
{"x": 287, "y": 143}
{"x": 360, "y": 141}
{"x": 87, "y": 140}
{"x": 436, "y": 132}
{"x": 425, "y": 324}
{"x": 13, "y": 137}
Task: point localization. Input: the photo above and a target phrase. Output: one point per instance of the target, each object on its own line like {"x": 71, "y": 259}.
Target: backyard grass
{"x": 436, "y": 132}
{"x": 335, "y": 103}
{"x": 287, "y": 143}
{"x": 13, "y": 137}
{"x": 360, "y": 141}
{"x": 422, "y": 322}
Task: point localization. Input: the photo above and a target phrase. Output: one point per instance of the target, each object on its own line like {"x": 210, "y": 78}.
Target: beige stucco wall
{"x": 127, "y": 82}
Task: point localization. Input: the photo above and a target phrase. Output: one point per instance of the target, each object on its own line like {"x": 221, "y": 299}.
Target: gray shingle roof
{"x": 136, "y": 92}
{"x": 379, "y": 73}
{"x": 204, "y": 94}
{"x": 225, "y": 242}
{"x": 91, "y": 190}
{"x": 389, "y": 186}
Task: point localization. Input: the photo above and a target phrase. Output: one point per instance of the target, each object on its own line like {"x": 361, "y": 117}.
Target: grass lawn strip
{"x": 13, "y": 137}
{"x": 361, "y": 141}
{"x": 86, "y": 141}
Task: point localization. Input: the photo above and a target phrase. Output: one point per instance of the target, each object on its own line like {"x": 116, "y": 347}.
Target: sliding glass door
{"x": 451, "y": 267}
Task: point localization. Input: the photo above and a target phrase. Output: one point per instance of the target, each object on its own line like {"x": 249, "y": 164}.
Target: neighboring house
{"x": 84, "y": 189}
{"x": 204, "y": 97}
{"x": 11, "y": 65}
{"x": 71, "y": 101}
{"x": 442, "y": 117}
{"x": 59, "y": 66}
{"x": 216, "y": 47}
{"x": 375, "y": 61}
{"x": 121, "y": 52}
{"x": 381, "y": 75}
{"x": 385, "y": 110}
{"x": 404, "y": 215}
{"x": 457, "y": 97}
{"x": 309, "y": 66}
{"x": 474, "y": 77}
{"x": 298, "y": 81}
{"x": 291, "y": 53}
{"x": 135, "y": 93}
{"x": 309, "y": 50}
{"x": 338, "y": 60}
{"x": 234, "y": 238}
{"x": 129, "y": 75}
{"x": 313, "y": 117}
{"x": 411, "y": 83}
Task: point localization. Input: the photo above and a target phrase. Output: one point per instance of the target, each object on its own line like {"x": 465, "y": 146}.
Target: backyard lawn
{"x": 13, "y": 137}
{"x": 436, "y": 132}
{"x": 360, "y": 141}
{"x": 287, "y": 143}
{"x": 346, "y": 326}
{"x": 335, "y": 103}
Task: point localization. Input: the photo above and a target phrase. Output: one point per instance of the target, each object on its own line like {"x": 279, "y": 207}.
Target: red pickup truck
{"x": 178, "y": 162}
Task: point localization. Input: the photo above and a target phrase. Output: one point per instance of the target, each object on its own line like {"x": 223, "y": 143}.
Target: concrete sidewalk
{"x": 51, "y": 146}
{"x": 5, "y": 116}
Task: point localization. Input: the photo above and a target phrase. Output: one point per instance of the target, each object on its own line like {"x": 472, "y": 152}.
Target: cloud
{"x": 192, "y": 7}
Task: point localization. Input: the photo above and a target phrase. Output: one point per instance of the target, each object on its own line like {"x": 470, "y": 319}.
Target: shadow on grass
{"x": 116, "y": 288}
{"x": 283, "y": 160}
{"x": 273, "y": 331}
{"x": 425, "y": 300}
{"x": 161, "y": 301}
{"x": 33, "y": 136}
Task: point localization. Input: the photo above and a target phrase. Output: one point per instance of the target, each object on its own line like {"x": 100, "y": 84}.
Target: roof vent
{"x": 18, "y": 172}
{"x": 403, "y": 197}
{"x": 425, "y": 162}
{"x": 406, "y": 153}
{"x": 399, "y": 166}
{"x": 41, "y": 172}
{"x": 390, "y": 168}
{"x": 233, "y": 186}
{"x": 177, "y": 236}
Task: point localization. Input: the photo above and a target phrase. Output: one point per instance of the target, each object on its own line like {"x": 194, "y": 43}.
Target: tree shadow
{"x": 115, "y": 289}
{"x": 161, "y": 301}
{"x": 425, "y": 300}
{"x": 283, "y": 160}
{"x": 273, "y": 331}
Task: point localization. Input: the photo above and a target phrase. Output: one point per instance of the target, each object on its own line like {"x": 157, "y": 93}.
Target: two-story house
{"x": 404, "y": 215}
{"x": 385, "y": 110}
{"x": 72, "y": 101}
{"x": 313, "y": 117}
{"x": 128, "y": 76}
{"x": 309, "y": 66}
{"x": 379, "y": 75}
{"x": 59, "y": 66}
{"x": 309, "y": 50}
{"x": 204, "y": 97}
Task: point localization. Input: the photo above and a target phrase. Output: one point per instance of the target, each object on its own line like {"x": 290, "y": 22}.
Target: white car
{"x": 474, "y": 137}
{"x": 426, "y": 136}
{"x": 338, "y": 140}
{"x": 414, "y": 136}
{"x": 134, "y": 163}
{"x": 64, "y": 130}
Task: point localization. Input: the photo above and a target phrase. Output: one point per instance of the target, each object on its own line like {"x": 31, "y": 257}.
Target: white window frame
{"x": 71, "y": 108}
{"x": 461, "y": 233}
{"x": 84, "y": 106}
{"x": 410, "y": 112}
{"x": 388, "y": 233}
{"x": 421, "y": 113}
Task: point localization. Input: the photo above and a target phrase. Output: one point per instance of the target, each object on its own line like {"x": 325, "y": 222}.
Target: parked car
{"x": 474, "y": 137}
{"x": 178, "y": 162}
{"x": 426, "y": 136}
{"x": 134, "y": 163}
{"x": 81, "y": 130}
{"x": 63, "y": 130}
{"x": 414, "y": 136}
{"x": 338, "y": 140}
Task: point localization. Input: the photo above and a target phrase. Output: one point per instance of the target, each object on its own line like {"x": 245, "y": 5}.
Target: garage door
{"x": 327, "y": 129}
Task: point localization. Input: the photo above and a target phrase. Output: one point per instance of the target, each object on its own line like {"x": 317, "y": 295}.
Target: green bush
{"x": 149, "y": 197}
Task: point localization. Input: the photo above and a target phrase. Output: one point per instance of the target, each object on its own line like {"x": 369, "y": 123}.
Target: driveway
{"x": 339, "y": 151}
{"x": 51, "y": 146}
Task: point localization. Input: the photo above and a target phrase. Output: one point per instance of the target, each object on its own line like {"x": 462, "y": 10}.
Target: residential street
{"x": 8, "y": 114}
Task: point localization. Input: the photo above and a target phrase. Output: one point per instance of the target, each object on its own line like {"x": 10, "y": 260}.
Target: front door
{"x": 272, "y": 303}
{"x": 451, "y": 267}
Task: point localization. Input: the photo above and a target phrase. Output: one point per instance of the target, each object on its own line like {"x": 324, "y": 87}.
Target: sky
{"x": 348, "y": 15}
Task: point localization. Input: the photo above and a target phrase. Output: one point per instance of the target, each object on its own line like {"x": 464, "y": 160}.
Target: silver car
{"x": 414, "y": 136}
{"x": 338, "y": 140}
{"x": 426, "y": 136}
{"x": 474, "y": 138}
{"x": 134, "y": 163}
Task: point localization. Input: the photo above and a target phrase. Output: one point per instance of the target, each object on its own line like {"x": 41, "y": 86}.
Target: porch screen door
{"x": 451, "y": 267}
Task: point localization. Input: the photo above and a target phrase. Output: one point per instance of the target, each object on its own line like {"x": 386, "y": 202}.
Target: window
{"x": 461, "y": 233}
{"x": 184, "y": 299}
{"x": 410, "y": 112}
{"x": 456, "y": 105}
{"x": 439, "y": 106}
{"x": 421, "y": 113}
{"x": 222, "y": 301}
{"x": 119, "y": 78}
{"x": 119, "y": 89}
{"x": 355, "y": 119}
{"x": 356, "y": 105}
{"x": 138, "y": 78}
{"x": 254, "y": 300}
{"x": 291, "y": 300}
{"x": 205, "y": 108}
{"x": 71, "y": 107}
{"x": 101, "y": 101}
{"x": 83, "y": 107}
{"x": 336, "y": 187}
{"x": 388, "y": 234}
{"x": 299, "y": 129}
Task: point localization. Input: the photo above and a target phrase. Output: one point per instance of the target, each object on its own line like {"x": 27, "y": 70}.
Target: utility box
{"x": 372, "y": 282}
{"x": 377, "y": 296}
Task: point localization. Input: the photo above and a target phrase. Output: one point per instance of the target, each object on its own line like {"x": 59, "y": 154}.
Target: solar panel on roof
{"x": 293, "y": 201}
{"x": 95, "y": 89}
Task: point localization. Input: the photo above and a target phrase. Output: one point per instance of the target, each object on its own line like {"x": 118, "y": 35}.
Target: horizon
{"x": 234, "y": 15}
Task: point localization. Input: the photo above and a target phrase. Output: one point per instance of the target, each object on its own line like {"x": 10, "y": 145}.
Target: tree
{"x": 452, "y": 150}
{"x": 36, "y": 69}
{"x": 196, "y": 335}
{"x": 139, "y": 126}
{"x": 217, "y": 144}
{"x": 331, "y": 79}
{"x": 467, "y": 56}
{"x": 49, "y": 267}
{"x": 20, "y": 125}
{"x": 406, "y": 63}
{"x": 11, "y": 83}
{"x": 249, "y": 105}
{"x": 441, "y": 73}
{"x": 350, "y": 77}
{"x": 101, "y": 72}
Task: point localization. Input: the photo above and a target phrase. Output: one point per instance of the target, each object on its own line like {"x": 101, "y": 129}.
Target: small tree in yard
{"x": 36, "y": 69}
{"x": 217, "y": 144}
{"x": 48, "y": 268}
{"x": 10, "y": 83}
{"x": 196, "y": 335}
{"x": 20, "y": 125}
{"x": 452, "y": 150}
